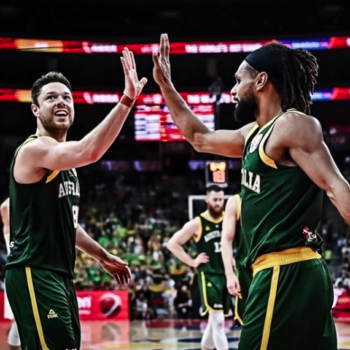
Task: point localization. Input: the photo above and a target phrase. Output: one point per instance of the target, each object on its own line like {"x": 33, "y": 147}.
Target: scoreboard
{"x": 154, "y": 123}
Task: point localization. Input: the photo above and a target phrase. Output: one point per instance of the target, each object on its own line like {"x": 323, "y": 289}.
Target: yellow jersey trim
{"x": 256, "y": 126}
{"x": 205, "y": 299}
{"x": 285, "y": 257}
{"x": 270, "y": 307}
{"x": 199, "y": 235}
{"x": 217, "y": 221}
{"x": 52, "y": 176}
{"x": 266, "y": 159}
{"x": 35, "y": 308}
{"x": 239, "y": 204}
{"x": 237, "y": 317}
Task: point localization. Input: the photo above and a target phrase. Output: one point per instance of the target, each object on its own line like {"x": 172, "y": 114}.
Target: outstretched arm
{"x": 47, "y": 153}
{"x": 303, "y": 138}
{"x": 228, "y": 234}
{"x": 224, "y": 142}
{"x": 176, "y": 242}
{"x": 111, "y": 263}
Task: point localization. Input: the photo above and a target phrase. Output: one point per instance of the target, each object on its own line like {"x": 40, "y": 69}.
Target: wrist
{"x": 127, "y": 101}
{"x": 166, "y": 85}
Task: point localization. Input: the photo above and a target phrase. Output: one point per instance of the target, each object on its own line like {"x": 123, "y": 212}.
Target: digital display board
{"x": 154, "y": 123}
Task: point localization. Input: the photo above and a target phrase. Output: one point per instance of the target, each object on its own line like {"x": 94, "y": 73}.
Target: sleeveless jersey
{"x": 43, "y": 221}
{"x": 208, "y": 241}
{"x": 281, "y": 206}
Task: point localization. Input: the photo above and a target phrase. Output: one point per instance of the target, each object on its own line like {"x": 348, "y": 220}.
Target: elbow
{"x": 170, "y": 246}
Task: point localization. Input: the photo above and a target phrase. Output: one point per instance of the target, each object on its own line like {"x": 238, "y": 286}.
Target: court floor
{"x": 156, "y": 335}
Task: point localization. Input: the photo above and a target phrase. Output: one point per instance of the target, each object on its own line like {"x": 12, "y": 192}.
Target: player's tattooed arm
{"x": 302, "y": 138}
{"x": 225, "y": 142}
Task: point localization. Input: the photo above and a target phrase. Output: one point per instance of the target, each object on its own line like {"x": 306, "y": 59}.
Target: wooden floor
{"x": 156, "y": 335}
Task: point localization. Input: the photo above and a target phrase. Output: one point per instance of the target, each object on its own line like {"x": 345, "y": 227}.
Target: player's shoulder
{"x": 293, "y": 119}
{"x": 246, "y": 129}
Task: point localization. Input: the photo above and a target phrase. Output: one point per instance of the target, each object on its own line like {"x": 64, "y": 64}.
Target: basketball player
{"x": 13, "y": 336}
{"x": 285, "y": 167}
{"x": 231, "y": 233}
{"x": 205, "y": 230}
{"x": 44, "y": 207}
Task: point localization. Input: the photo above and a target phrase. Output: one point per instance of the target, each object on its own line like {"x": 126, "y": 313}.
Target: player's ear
{"x": 35, "y": 109}
{"x": 261, "y": 80}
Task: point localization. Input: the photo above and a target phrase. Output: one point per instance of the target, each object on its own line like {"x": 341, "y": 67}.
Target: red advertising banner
{"x": 103, "y": 305}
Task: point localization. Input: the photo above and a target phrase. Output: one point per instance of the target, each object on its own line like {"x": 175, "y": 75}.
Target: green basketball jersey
{"x": 43, "y": 221}
{"x": 281, "y": 206}
{"x": 208, "y": 241}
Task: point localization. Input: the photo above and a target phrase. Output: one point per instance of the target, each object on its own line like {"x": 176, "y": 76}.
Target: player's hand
{"x": 133, "y": 86}
{"x": 118, "y": 268}
{"x": 161, "y": 69}
{"x": 233, "y": 286}
{"x": 202, "y": 258}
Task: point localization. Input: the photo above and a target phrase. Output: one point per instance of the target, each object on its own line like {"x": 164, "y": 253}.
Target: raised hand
{"x": 118, "y": 268}
{"x": 133, "y": 86}
{"x": 202, "y": 258}
{"x": 161, "y": 69}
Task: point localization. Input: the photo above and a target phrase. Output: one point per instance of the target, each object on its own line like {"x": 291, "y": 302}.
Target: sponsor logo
{"x": 255, "y": 143}
{"x": 309, "y": 235}
{"x": 207, "y": 228}
{"x": 209, "y": 284}
{"x": 110, "y": 304}
{"x": 218, "y": 306}
{"x": 52, "y": 314}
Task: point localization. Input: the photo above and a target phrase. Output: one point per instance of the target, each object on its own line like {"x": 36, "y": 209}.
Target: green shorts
{"x": 45, "y": 307}
{"x": 245, "y": 277}
{"x": 289, "y": 308}
{"x": 214, "y": 294}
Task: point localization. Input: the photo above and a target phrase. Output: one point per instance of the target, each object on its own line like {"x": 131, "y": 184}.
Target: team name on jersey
{"x": 212, "y": 235}
{"x": 67, "y": 188}
{"x": 251, "y": 180}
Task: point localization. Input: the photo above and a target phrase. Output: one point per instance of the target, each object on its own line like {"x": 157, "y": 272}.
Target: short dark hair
{"x": 214, "y": 188}
{"x": 51, "y": 77}
{"x": 298, "y": 76}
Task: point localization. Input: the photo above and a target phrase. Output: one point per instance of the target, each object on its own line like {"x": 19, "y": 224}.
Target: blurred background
{"x": 136, "y": 197}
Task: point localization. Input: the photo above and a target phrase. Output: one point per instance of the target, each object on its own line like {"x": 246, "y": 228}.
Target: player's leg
{"x": 288, "y": 308}
{"x": 207, "y": 342}
{"x": 245, "y": 277}
{"x": 13, "y": 337}
{"x": 212, "y": 288}
{"x": 41, "y": 307}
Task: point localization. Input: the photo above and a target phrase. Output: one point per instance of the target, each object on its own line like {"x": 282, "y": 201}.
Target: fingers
{"x": 128, "y": 58}
{"x": 132, "y": 59}
{"x": 155, "y": 59}
{"x": 143, "y": 82}
{"x": 124, "y": 64}
{"x": 167, "y": 46}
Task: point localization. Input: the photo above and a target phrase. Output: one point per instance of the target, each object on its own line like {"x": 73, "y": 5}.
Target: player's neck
{"x": 269, "y": 108}
{"x": 212, "y": 216}
{"x": 58, "y": 135}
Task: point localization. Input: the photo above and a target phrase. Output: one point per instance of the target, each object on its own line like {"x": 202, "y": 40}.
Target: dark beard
{"x": 246, "y": 109}
{"x": 213, "y": 213}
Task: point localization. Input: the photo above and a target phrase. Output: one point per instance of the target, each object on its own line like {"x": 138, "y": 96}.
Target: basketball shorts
{"x": 45, "y": 307}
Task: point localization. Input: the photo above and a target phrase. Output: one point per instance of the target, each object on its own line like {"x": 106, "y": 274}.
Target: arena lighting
{"x": 192, "y": 98}
{"x": 180, "y": 48}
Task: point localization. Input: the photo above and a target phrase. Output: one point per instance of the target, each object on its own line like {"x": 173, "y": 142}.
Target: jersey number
{"x": 217, "y": 247}
{"x": 75, "y": 210}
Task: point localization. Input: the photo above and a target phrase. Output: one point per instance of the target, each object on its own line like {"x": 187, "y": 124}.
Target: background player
{"x": 13, "y": 336}
{"x": 205, "y": 230}
{"x": 231, "y": 235}
{"x": 44, "y": 208}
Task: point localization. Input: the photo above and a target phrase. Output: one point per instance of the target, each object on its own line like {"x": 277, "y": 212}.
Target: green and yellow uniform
{"x": 40, "y": 266}
{"x": 244, "y": 274}
{"x": 211, "y": 276}
{"x": 291, "y": 295}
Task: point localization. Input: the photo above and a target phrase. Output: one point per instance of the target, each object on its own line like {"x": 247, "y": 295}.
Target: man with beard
{"x": 44, "y": 206}
{"x": 205, "y": 230}
{"x": 285, "y": 167}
